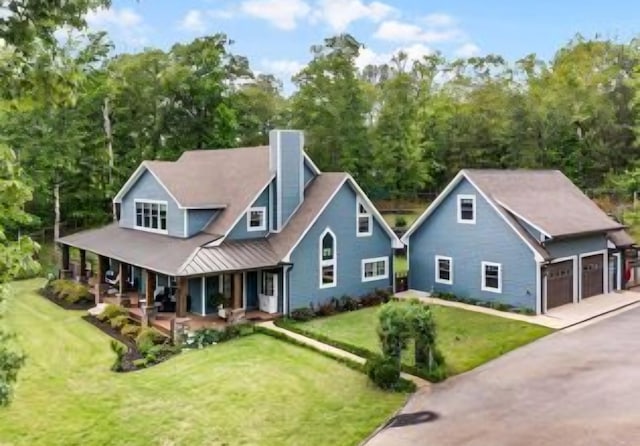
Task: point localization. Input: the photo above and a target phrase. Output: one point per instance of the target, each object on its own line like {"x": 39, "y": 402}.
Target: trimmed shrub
{"x": 140, "y": 363}
{"x": 130, "y": 330}
{"x": 112, "y": 311}
{"x": 119, "y": 321}
{"x": 401, "y": 221}
{"x": 347, "y": 303}
{"x": 147, "y": 338}
{"x": 326, "y": 309}
{"x": 302, "y": 314}
{"x": 119, "y": 350}
{"x": 209, "y": 336}
{"x": 384, "y": 372}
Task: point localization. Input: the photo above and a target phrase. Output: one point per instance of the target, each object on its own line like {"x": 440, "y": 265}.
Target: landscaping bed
{"x": 466, "y": 339}
{"x": 256, "y": 379}
{"x": 135, "y": 347}
{"x": 68, "y": 294}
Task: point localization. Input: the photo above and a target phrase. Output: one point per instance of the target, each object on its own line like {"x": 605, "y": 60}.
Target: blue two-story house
{"x": 260, "y": 226}
{"x": 527, "y": 238}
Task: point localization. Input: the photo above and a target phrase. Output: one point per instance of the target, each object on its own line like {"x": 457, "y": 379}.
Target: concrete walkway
{"x": 321, "y": 346}
{"x": 557, "y": 318}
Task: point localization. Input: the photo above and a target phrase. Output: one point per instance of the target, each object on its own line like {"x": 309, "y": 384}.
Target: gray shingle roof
{"x": 545, "y": 198}
{"x": 226, "y": 177}
{"x": 186, "y": 257}
{"x": 144, "y": 249}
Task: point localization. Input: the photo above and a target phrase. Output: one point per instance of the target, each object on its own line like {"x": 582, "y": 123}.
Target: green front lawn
{"x": 253, "y": 390}
{"x": 466, "y": 338}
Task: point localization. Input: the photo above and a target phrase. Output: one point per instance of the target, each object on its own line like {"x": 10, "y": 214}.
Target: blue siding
{"x": 290, "y": 174}
{"x": 308, "y": 174}
{"x": 148, "y": 188}
{"x": 576, "y": 246}
{"x": 240, "y": 229}
{"x": 340, "y": 217}
{"x": 195, "y": 291}
{"x": 530, "y": 229}
{"x": 198, "y": 218}
{"x": 273, "y": 208}
{"x": 490, "y": 239}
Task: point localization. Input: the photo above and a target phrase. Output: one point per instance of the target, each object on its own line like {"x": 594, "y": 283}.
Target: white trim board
{"x": 263, "y": 226}
{"x": 474, "y": 208}
{"x": 148, "y": 229}
{"x": 445, "y": 193}
{"x": 483, "y": 284}
{"x": 363, "y": 262}
{"x": 332, "y": 262}
{"x": 395, "y": 241}
{"x": 436, "y": 265}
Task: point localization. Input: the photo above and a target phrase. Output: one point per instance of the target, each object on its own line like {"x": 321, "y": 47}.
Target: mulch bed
{"x": 132, "y": 349}
{"x": 66, "y": 305}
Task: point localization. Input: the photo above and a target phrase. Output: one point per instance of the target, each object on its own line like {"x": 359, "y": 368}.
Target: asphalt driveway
{"x": 579, "y": 387}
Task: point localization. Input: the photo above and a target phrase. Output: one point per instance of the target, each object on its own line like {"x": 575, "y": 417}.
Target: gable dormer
{"x": 287, "y": 163}
{"x": 145, "y": 204}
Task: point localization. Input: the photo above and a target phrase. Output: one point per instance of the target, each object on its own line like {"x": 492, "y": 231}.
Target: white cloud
{"x": 283, "y": 68}
{"x": 220, "y": 14}
{"x": 193, "y": 21}
{"x": 469, "y": 49}
{"x": 396, "y": 31}
{"x": 439, "y": 20}
{"x": 339, "y": 14}
{"x": 414, "y": 52}
{"x": 283, "y": 14}
{"x": 101, "y": 18}
{"x": 126, "y": 27}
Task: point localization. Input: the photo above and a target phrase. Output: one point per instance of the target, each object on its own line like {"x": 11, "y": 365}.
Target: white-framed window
{"x": 375, "y": 269}
{"x": 269, "y": 284}
{"x": 444, "y": 270}
{"x": 364, "y": 220}
{"x": 492, "y": 277}
{"x": 328, "y": 259}
{"x": 257, "y": 219}
{"x": 151, "y": 215}
{"x": 466, "y": 209}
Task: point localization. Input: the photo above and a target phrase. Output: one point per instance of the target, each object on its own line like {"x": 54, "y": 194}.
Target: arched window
{"x": 328, "y": 257}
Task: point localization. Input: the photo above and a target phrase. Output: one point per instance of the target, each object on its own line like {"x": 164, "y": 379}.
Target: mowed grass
{"x": 251, "y": 391}
{"x": 466, "y": 338}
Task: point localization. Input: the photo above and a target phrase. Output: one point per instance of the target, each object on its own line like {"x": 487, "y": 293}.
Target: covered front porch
{"x": 170, "y": 303}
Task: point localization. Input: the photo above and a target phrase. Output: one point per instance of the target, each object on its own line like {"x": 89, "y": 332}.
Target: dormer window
{"x": 467, "y": 209}
{"x": 257, "y": 219}
{"x": 363, "y": 220}
{"x": 151, "y": 215}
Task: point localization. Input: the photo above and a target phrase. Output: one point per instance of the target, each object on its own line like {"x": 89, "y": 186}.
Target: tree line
{"x": 400, "y": 128}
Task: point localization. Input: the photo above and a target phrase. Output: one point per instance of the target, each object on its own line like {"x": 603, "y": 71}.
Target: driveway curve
{"x": 575, "y": 387}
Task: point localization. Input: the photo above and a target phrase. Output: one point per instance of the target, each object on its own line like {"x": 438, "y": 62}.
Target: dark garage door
{"x": 559, "y": 284}
{"x": 592, "y": 280}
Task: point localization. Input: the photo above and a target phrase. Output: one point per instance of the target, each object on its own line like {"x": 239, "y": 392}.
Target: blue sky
{"x": 276, "y": 34}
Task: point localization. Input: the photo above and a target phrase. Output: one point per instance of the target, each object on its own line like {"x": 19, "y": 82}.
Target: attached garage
{"x": 592, "y": 279}
{"x": 559, "y": 284}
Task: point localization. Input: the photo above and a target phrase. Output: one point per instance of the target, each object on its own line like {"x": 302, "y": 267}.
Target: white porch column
{"x": 204, "y": 296}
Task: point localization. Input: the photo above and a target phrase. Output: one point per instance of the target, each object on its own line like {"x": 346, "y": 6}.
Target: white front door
{"x": 268, "y": 295}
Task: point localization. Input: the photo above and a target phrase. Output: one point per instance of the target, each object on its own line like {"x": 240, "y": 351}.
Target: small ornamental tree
{"x": 399, "y": 324}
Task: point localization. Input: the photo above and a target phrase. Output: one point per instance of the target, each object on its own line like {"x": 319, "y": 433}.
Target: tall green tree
{"x": 330, "y": 105}
{"x": 25, "y": 28}
{"x": 399, "y": 167}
